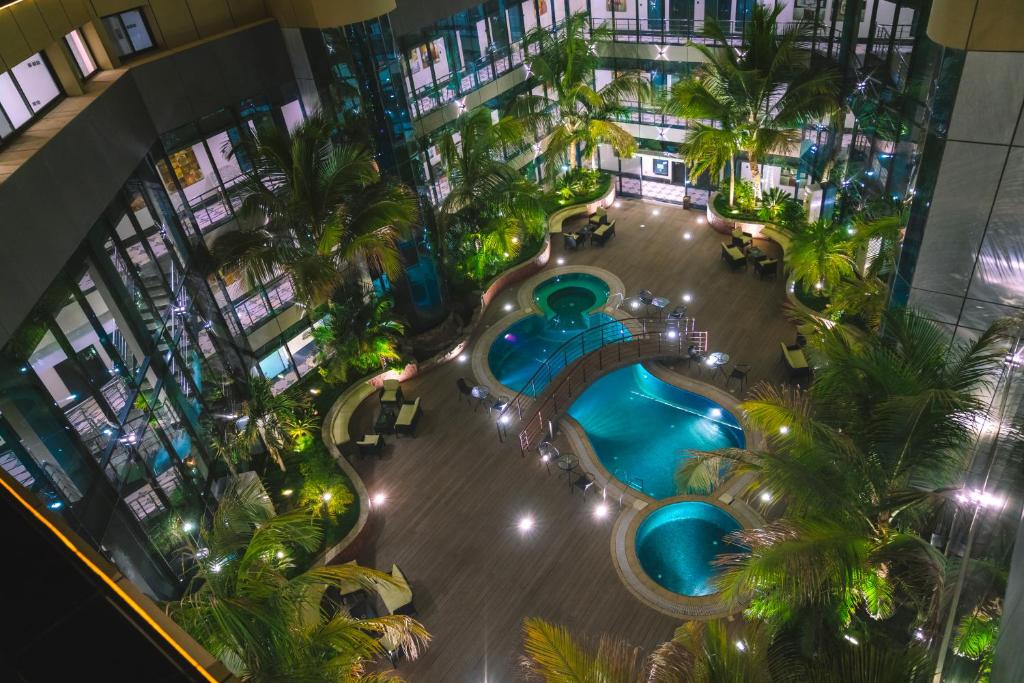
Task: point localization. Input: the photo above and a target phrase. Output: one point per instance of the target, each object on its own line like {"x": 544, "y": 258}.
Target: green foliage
{"x": 577, "y": 116}
{"x": 326, "y": 209}
{"x": 866, "y": 457}
{"x": 746, "y": 198}
{"x": 267, "y": 619}
{"x": 324, "y": 489}
{"x": 360, "y": 334}
{"x": 820, "y": 256}
{"x": 275, "y": 420}
{"x": 492, "y": 211}
{"x": 760, "y": 95}
{"x": 772, "y": 204}
{"x": 976, "y": 637}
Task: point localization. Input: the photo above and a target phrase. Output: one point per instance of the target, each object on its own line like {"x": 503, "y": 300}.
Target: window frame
{"x": 74, "y": 59}
{"x": 34, "y": 116}
{"x": 119, "y": 16}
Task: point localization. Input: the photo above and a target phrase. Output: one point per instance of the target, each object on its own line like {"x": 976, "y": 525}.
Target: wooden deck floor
{"x": 455, "y": 494}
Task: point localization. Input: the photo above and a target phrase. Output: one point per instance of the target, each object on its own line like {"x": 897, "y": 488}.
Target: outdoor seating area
{"x": 598, "y": 230}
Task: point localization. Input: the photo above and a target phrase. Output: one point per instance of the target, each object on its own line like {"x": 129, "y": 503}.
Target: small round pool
{"x": 677, "y": 543}
{"x": 568, "y": 305}
{"x": 566, "y": 299}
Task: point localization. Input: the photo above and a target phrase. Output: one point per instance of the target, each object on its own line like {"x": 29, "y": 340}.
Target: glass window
{"x": 5, "y": 127}
{"x": 13, "y": 103}
{"x": 129, "y": 32}
{"x": 36, "y": 82}
{"x": 80, "y": 51}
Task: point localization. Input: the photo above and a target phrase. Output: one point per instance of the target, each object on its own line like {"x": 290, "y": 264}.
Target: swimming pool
{"x": 677, "y": 543}
{"x": 641, "y": 427}
{"x": 568, "y": 305}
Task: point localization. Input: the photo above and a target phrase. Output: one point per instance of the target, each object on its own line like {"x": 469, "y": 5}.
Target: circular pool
{"x": 677, "y": 543}
{"x": 565, "y": 300}
{"x": 568, "y": 306}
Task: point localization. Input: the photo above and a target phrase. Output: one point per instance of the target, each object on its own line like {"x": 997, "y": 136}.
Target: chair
{"x": 408, "y": 416}
{"x": 733, "y": 256}
{"x": 599, "y": 217}
{"x": 548, "y": 453}
{"x": 678, "y": 313}
{"x": 583, "y": 483}
{"x": 391, "y": 393}
{"x": 739, "y": 372}
{"x": 397, "y": 597}
{"x": 741, "y": 239}
{"x": 766, "y": 267}
{"x": 465, "y": 391}
{"x": 796, "y": 362}
{"x": 370, "y": 444}
{"x": 571, "y": 241}
{"x": 604, "y": 233}
{"x": 695, "y": 356}
{"x": 646, "y": 297}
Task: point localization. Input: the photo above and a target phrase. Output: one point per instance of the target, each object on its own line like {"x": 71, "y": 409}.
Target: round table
{"x": 480, "y": 392}
{"x": 717, "y": 359}
{"x": 567, "y": 463}
{"x": 659, "y": 302}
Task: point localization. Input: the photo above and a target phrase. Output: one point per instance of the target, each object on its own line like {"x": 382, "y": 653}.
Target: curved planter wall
{"x": 725, "y": 224}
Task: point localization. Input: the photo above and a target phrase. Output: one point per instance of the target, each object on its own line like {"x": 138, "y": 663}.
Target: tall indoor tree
{"x": 762, "y": 92}
{"x": 491, "y": 207}
{"x": 313, "y": 210}
{"x": 819, "y": 255}
{"x": 274, "y": 420}
{"x": 576, "y": 115}
{"x": 873, "y": 449}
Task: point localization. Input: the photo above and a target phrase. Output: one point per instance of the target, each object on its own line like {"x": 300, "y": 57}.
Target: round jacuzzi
{"x": 569, "y": 309}
{"x": 677, "y": 543}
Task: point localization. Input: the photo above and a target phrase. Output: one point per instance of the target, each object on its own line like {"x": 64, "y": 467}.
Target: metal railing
{"x": 570, "y": 368}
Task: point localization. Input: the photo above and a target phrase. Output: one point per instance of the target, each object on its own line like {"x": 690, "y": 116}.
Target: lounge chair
{"x": 391, "y": 394}
{"x": 397, "y": 598}
{"x": 796, "y": 362}
{"x": 601, "y": 236}
{"x": 571, "y": 241}
{"x": 733, "y": 256}
{"x": 408, "y": 416}
{"x": 599, "y": 217}
{"x": 768, "y": 267}
{"x": 347, "y": 587}
{"x": 370, "y": 444}
{"x": 741, "y": 239}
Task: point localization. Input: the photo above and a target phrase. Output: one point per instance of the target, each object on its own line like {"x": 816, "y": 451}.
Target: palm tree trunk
{"x": 732, "y": 179}
{"x": 755, "y": 174}
{"x": 271, "y": 450}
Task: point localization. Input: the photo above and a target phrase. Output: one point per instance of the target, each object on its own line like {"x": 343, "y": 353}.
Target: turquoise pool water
{"x": 568, "y": 304}
{"x": 676, "y": 545}
{"x": 641, "y": 427}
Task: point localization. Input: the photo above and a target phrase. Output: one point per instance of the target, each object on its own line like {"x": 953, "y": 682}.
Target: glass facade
{"x": 107, "y": 385}
{"x": 129, "y": 31}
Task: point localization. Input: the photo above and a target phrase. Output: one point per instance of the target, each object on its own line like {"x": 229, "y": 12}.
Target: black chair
{"x": 583, "y": 483}
{"x": 768, "y": 267}
{"x": 646, "y": 297}
{"x": 465, "y": 391}
{"x": 739, "y": 372}
{"x": 678, "y": 313}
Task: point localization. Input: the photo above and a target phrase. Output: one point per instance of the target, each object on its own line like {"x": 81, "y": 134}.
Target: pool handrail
{"x": 670, "y": 337}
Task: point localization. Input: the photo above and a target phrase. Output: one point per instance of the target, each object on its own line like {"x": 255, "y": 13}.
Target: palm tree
{"x": 861, "y": 459}
{"x": 820, "y": 255}
{"x": 762, "y": 93}
{"x": 360, "y": 332}
{"x": 490, "y": 207}
{"x": 708, "y": 149}
{"x": 275, "y": 420}
{"x": 575, "y": 114}
{"x": 251, "y": 608}
{"x": 314, "y": 209}
{"x": 713, "y": 652}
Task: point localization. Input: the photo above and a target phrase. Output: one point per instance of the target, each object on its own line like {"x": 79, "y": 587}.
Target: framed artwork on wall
{"x": 661, "y": 167}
